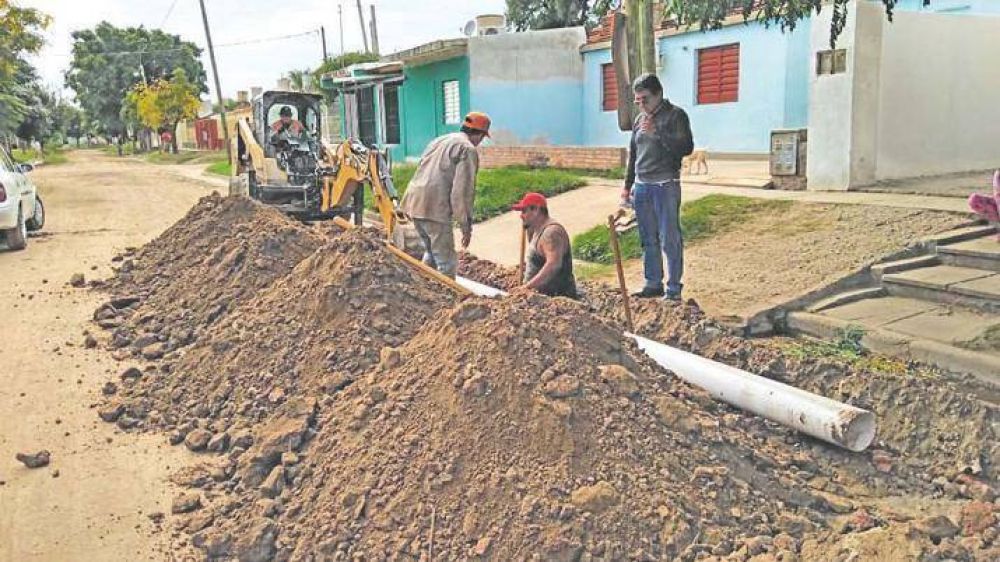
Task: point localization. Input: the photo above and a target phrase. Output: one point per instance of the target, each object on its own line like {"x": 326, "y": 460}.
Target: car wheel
{"x": 17, "y": 237}
{"x": 37, "y": 220}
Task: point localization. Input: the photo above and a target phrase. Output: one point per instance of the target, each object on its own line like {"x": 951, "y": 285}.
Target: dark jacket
{"x": 657, "y": 156}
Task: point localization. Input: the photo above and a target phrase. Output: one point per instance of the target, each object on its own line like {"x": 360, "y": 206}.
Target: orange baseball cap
{"x": 531, "y": 200}
{"x": 478, "y": 121}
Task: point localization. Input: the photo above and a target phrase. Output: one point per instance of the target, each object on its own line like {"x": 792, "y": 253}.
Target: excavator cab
{"x": 280, "y": 159}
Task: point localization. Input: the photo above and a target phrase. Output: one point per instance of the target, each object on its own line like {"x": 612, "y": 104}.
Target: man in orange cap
{"x": 549, "y": 267}
{"x": 442, "y": 192}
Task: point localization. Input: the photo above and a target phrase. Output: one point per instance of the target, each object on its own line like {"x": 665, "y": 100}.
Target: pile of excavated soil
{"x": 309, "y": 335}
{"x": 354, "y": 410}
{"x": 488, "y": 273}
{"x": 519, "y": 428}
{"x": 224, "y": 252}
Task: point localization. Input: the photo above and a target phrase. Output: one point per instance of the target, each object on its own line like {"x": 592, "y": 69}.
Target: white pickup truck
{"x": 21, "y": 209}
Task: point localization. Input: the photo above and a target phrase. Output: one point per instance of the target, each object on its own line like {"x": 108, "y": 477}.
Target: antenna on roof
{"x": 470, "y": 28}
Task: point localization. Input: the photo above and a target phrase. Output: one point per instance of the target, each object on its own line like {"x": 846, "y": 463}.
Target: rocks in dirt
{"x": 153, "y": 351}
{"x": 77, "y": 280}
{"x": 258, "y": 542}
{"x": 937, "y": 527}
{"x": 34, "y": 460}
{"x": 109, "y": 389}
{"x": 595, "y": 498}
{"x": 89, "y": 342}
{"x": 274, "y": 484}
{"x": 882, "y": 461}
{"x": 977, "y": 517}
{"x": 219, "y": 443}
{"x": 186, "y": 503}
{"x": 111, "y": 412}
{"x": 131, "y": 374}
{"x": 197, "y": 439}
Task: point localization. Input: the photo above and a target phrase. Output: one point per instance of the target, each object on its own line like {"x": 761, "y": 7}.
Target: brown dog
{"x": 700, "y": 158}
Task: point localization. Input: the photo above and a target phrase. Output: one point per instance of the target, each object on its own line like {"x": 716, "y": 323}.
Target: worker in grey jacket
{"x": 442, "y": 192}
{"x": 661, "y": 138}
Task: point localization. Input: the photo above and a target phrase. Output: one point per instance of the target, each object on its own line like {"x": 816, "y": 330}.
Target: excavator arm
{"x": 354, "y": 169}
{"x": 249, "y": 149}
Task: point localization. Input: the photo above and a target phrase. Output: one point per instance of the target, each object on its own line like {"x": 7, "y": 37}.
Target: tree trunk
{"x": 173, "y": 136}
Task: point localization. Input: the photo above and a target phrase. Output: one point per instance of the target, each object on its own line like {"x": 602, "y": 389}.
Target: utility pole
{"x": 340, "y": 15}
{"x": 374, "y": 24}
{"x": 364, "y": 33}
{"x": 322, "y": 33}
{"x": 215, "y": 72}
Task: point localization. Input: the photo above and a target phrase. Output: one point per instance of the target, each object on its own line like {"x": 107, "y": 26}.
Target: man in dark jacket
{"x": 661, "y": 138}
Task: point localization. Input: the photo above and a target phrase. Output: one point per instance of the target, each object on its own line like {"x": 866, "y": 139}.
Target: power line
{"x": 176, "y": 49}
{"x": 269, "y": 39}
{"x": 170, "y": 10}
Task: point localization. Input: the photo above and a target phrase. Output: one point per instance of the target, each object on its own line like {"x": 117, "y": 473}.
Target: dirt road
{"x": 93, "y": 501}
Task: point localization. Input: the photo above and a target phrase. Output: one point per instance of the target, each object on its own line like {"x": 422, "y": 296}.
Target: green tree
{"x": 20, "y": 34}
{"x": 337, "y": 63}
{"x": 302, "y": 80}
{"x": 710, "y": 14}
{"x": 343, "y": 61}
{"x": 164, "y": 103}
{"x": 549, "y": 14}
{"x": 109, "y": 61}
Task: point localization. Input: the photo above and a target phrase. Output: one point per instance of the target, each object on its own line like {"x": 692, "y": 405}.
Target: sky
{"x": 401, "y": 24}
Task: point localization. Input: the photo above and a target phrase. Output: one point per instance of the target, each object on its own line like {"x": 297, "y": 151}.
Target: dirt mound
{"x": 938, "y": 425}
{"x": 524, "y": 427}
{"x": 307, "y": 335}
{"x": 221, "y": 254}
{"x": 488, "y": 273}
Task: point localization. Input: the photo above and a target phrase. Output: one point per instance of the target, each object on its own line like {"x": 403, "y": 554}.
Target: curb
{"x": 981, "y": 365}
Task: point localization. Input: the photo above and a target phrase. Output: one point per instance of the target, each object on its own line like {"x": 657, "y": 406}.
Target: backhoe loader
{"x": 279, "y": 159}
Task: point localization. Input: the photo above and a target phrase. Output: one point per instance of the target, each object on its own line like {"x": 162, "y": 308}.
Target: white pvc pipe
{"x": 834, "y": 422}
{"x": 479, "y": 288}
{"x": 823, "y": 418}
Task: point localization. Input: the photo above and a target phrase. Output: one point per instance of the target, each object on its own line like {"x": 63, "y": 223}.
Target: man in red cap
{"x": 443, "y": 189}
{"x": 549, "y": 267}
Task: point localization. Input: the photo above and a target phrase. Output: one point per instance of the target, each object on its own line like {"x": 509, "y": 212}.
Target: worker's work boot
{"x": 649, "y": 293}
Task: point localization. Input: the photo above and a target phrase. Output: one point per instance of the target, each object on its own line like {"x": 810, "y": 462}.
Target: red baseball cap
{"x": 531, "y": 200}
{"x": 478, "y": 121}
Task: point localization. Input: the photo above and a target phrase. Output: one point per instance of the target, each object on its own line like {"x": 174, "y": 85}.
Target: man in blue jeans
{"x": 661, "y": 138}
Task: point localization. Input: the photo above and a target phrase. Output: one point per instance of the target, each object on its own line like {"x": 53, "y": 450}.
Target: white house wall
{"x": 940, "y": 95}
{"x": 920, "y": 97}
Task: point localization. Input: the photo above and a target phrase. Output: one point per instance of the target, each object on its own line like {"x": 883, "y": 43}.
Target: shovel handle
{"x": 520, "y": 260}
{"x": 616, "y": 249}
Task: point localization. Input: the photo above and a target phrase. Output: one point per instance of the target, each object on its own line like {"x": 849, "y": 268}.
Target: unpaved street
{"x": 93, "y": 501}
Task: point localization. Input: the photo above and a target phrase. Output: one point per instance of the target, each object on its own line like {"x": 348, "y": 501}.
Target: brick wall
{"x": 586, "y": 157}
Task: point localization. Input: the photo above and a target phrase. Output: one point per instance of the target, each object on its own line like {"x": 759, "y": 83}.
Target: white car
{"x": 21, "y": 209}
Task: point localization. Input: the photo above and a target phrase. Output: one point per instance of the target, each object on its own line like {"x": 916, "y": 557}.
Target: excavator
{"x": 279, "y": 159}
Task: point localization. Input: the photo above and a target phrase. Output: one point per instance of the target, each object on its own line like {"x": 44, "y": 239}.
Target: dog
{"x": 699, "y": 157}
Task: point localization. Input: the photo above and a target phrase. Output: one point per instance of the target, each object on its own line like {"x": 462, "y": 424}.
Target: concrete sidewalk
{"x": 581, "y": 209}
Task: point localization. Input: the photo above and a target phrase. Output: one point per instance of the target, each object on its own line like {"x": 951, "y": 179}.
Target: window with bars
{"x": 609, "y": 88}
{"x": 366, "y": 115}
{"x": 452, "y": 103}
{"x": 831, "y": 62}
{"x": 392, "y": 129}
{"x": 719, "y": 74}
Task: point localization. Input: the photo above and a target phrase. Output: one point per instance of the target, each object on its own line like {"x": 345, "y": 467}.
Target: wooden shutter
{"x": 719, "y": 74}
{"x": 609, "y": 86}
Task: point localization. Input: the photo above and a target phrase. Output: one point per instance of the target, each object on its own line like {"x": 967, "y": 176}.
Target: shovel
{"x": 613, "y": 226}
